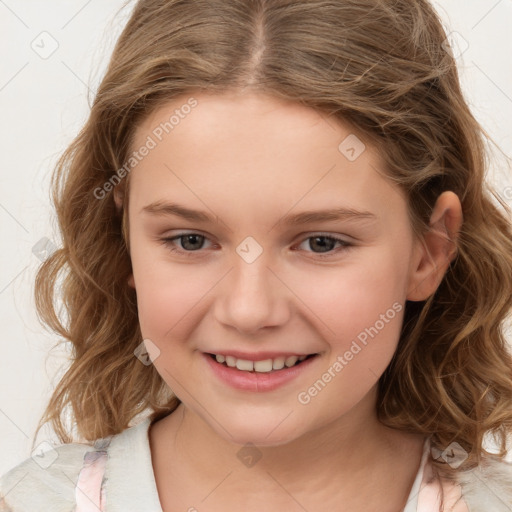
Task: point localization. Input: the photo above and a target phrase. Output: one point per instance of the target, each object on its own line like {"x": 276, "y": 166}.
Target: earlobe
{"x": 118, "y": 198}
{"x": 437, "y": 249}
{"x": 131, "y": 281}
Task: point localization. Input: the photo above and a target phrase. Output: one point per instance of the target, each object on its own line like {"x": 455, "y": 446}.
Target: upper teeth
{"x": 259, "y": 366}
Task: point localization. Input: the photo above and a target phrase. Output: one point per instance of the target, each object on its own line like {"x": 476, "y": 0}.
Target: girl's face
{"x": 260, "y": 277}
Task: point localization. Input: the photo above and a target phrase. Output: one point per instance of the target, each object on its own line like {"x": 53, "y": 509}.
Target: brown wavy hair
{"x": 382, "y": 66}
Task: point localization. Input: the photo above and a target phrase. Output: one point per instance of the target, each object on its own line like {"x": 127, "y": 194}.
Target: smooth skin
{"x": 248, "y": 160}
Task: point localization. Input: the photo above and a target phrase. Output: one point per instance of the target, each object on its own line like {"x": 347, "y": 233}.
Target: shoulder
{"x": 71, "y": 475}
{"x": 46, "y": 480}
{"x": 488, "y": 486}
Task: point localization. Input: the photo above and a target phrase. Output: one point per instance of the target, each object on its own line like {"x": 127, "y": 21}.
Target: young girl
{"x": 286, "y": 282}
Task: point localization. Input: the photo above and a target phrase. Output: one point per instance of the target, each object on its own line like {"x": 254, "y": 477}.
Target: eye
{"x": 326, "y": 244}
{"x": 193, "y": 242}
{"x": 190, "y": 242}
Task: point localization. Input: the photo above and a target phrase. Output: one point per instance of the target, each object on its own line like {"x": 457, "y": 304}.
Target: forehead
{"x": 253, "y": 150}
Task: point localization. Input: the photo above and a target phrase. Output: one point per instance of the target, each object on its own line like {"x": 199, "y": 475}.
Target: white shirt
{"x": 120, "y": 468}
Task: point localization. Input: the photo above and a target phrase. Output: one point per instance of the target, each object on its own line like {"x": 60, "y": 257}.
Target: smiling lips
{"x": 258, "y": 363}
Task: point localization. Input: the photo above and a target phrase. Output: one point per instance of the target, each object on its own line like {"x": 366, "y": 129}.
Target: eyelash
{"x": 168, "y": 242}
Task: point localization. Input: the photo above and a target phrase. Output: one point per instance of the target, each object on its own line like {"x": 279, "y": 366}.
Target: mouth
{"x": 265, "y": 366}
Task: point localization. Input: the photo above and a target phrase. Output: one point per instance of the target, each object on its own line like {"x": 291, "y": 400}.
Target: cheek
{"x": 168, "y": 301}
{"x": 360, "y": 314}
{"x": 166, "y": 292}
{"x": 352, "y": 297}
{"x": 359, "y": 309}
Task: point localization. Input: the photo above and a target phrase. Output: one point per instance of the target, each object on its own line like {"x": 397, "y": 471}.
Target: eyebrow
{"x": 161, "y": 208}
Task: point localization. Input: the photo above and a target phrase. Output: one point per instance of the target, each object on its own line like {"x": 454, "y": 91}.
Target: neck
{"x": 348, "y": 460}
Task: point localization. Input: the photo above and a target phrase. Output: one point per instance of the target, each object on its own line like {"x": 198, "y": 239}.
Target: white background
{"x": 44, "y": 102}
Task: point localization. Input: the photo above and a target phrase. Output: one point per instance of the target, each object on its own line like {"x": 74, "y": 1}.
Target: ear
{"x": 119, "y": 197}
{"x": 119, "y": 201}
{"x": 437, "y": 248}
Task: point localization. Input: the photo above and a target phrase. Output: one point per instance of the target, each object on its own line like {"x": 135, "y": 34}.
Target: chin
{"x": 260, "y": 439}
{"x": 258, "y": 432}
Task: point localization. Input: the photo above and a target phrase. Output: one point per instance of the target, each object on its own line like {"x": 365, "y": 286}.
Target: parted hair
{"x": 386, "y": 68}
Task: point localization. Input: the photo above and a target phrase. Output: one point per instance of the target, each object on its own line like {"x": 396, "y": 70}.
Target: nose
{"x": 251, "y": 297}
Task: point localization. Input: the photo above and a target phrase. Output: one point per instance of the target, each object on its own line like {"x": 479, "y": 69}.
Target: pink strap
{"x": 429, "y": 497}
{"x": 89, "y": 492}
